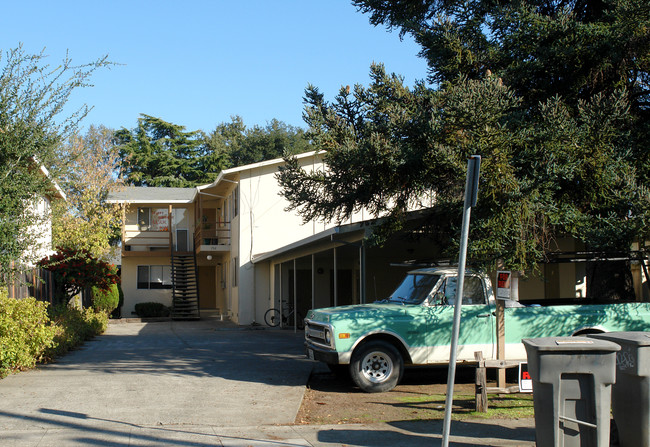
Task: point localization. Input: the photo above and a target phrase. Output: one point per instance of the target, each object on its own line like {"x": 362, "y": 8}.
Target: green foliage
{"x": 25, "y": 333}
{"x": 32, "y": 97}
{"x": 241, "y": 145}
{"x": 159, "y": 153}
{"x": 105, "y": 300}
{"x": 75, "y": 270}
{"x": 151, "y": 309}
{"x": 553, "y": 95}
{"x": 117, "y": 312}
{"x": 74, "y": 327}
{"x": 31, "y": 331}
{"x": 85, "y": 220}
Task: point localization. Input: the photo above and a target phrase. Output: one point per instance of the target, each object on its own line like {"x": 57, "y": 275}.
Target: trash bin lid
{"x": 636, "y": 338}
{"x": 570, "y": 344}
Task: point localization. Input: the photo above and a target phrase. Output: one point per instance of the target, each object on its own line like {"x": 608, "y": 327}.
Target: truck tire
{"x": 376, "y": 367}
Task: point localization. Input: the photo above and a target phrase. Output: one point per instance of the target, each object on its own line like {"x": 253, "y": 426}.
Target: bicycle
{"x": 273, "y": 317}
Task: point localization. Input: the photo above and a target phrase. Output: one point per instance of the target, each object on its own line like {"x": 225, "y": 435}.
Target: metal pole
{"x": 313, "y": 281}
{"x": 336, "y": 288}
{"x": 362, "y": 273}
{"x": 295, "y": 297}
{"x": 471, "y": 190}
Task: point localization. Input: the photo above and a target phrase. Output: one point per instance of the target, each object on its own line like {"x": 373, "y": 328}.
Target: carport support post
{"x": 336, "y": 275}
{"x": 471, "y": 192}
{"x": 313, "y": 281}
{"x": 362, "y": 272}
{"x": 295, "y": 297}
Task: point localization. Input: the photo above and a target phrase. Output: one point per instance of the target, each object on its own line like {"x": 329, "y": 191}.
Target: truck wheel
{"x": 376, "y": 367}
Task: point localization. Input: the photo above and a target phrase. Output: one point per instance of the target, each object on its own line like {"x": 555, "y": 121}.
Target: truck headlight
{"x": 328, "y": 337}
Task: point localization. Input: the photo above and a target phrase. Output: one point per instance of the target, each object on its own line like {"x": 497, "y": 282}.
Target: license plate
{"x": 310, "y": 354}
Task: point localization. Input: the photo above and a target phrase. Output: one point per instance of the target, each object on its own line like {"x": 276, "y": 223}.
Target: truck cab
{"x": 411, "y": 326}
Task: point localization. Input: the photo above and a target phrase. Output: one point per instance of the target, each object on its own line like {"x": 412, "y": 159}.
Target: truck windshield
{"x": 414, "y": 289}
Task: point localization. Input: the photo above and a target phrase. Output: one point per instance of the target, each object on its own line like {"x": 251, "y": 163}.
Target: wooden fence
{"x": 37, "y": 282}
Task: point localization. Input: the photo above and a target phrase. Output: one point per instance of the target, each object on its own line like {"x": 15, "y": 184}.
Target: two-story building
{"x": 31, "y": 281}
{"x": 232, "y": 247}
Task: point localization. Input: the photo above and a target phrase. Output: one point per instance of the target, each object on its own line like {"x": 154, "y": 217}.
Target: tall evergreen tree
{"x": 246, "y": 145}
{"x": 553, "y": 95}
{"x": 159, "y": 153}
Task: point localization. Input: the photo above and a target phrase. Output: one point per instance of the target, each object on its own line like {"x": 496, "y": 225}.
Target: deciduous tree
{"x": 85, "y": 220}
{"x": 32, "y": 125}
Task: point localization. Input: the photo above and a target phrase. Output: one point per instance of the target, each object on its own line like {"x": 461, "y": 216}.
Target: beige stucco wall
{"x": 133, "y": 295}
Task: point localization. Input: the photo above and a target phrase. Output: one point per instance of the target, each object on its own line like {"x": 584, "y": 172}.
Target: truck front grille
{"x": 317, "y": 333}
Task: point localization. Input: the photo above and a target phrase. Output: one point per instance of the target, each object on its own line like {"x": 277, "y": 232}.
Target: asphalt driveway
{"x": 162, "y": 374}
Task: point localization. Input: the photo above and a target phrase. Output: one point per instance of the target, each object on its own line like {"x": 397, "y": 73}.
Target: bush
{"x": 75, "y": 326}
{"x": 151, "y": 309}
{"x": 74, "y": 270}
{"x": 26, "y": 333}
{"x": 117, "y": 312}
{"x": 105, "y": 300}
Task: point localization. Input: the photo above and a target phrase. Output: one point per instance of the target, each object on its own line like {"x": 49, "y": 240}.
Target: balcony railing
{"x": 215, "y": 235}
{"x": 212, "y": 233}
{"x": 138, "y": 241}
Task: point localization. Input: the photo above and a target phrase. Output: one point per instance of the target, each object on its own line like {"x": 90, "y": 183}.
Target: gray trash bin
{"x": 572, "y": 378}
{"x": 631, "y": 392}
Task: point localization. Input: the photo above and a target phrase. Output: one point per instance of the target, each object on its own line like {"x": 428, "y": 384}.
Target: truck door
{"x": 476, "y": 328}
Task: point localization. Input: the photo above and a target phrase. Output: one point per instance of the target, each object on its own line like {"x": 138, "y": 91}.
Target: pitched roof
{"x": 151, "y": 194}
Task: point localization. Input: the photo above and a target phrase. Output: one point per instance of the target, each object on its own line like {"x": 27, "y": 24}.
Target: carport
{"x": 336, "y": 267}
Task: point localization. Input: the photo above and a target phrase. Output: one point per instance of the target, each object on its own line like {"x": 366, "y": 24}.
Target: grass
{"x": 506, "y": 406}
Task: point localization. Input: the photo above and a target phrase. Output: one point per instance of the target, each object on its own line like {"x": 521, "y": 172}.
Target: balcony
{"x": 212, "y": 236}
{"x": 146, "y": 243}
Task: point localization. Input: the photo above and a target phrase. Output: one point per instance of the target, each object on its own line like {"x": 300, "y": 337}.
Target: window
{"x": 154, "y": 277}
{"x": 235, "y": 271}
{"x": 235, "y": 200}
{"x": 414, "y": 289}
{"x": 472, "y": 290}
{"x": 144, "y": 218}
{"x": 153, "y": 219}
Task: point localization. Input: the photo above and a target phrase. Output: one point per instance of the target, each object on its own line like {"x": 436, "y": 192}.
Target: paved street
{"x": 199, "y": 383}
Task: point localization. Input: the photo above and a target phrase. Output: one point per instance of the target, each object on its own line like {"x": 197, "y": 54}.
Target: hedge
{"x": 26, "y": 333}
{"x": 31, "y": 331}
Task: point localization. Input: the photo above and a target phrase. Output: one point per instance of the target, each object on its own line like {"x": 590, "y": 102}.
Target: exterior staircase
{"x": 185, "y": 291}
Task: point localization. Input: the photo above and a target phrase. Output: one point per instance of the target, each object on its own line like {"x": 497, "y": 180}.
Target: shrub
{"x": 105, "y": 300}
{"x": 26, "y": 333}
{"x": 151, "y": 309}
{"x": 74, "y": 270}
{"x": 75, "y": 326}
{"x": 117, "y": 312}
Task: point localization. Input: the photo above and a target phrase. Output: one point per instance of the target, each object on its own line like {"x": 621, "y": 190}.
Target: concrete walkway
{"x": 202, "y": 383}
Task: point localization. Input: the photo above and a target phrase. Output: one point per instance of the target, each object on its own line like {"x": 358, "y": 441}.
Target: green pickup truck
{"x": 413, "y": 326}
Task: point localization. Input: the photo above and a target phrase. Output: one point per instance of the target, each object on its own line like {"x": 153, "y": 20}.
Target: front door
{"x": 182, "y": 244}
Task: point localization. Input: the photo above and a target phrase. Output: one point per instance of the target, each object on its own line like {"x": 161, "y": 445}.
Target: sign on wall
{"x": 160, "y": 219}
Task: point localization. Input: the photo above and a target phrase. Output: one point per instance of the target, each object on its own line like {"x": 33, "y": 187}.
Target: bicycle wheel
{"x": 272, "y": 317}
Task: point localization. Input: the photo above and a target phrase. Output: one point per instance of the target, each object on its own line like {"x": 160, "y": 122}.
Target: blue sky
{"x": 197, "y": 63}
